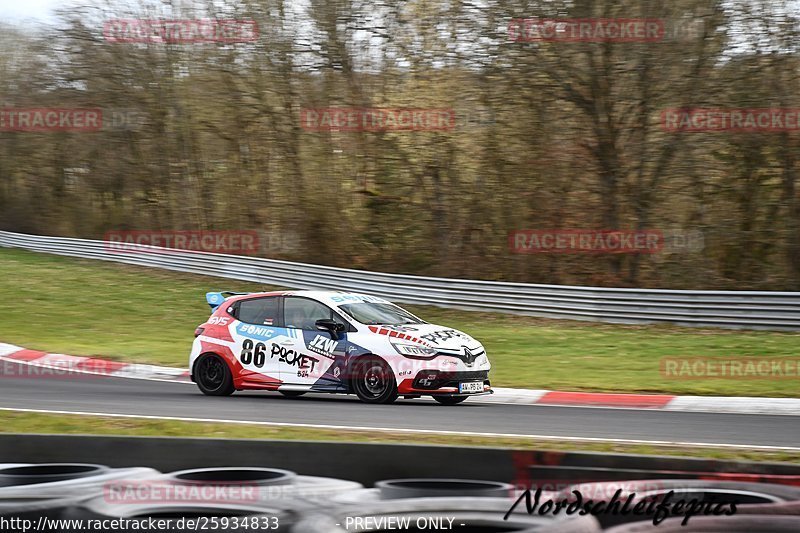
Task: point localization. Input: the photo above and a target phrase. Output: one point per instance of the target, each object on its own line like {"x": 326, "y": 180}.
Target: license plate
{"x": 472, "y": 386}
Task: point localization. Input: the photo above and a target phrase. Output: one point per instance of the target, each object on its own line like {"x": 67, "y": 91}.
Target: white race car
{"x": 320, "y": 341}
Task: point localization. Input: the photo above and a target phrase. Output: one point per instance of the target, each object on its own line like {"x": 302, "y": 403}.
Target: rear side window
{"x": 261, "y": 311}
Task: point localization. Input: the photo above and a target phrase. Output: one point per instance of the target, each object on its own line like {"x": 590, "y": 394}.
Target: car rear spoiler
{"x": 215, "y": 299}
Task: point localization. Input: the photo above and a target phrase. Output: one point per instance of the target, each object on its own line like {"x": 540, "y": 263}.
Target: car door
{"x": 258, "y": 329}
{"x": 315, "y": 354}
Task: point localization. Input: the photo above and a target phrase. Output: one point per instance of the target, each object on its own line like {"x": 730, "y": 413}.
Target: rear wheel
{"x": 212, "y": 375}
{"x": 373, "y": 381}
{"x": 292, "y": 393}
{"x": 449, "y": 400}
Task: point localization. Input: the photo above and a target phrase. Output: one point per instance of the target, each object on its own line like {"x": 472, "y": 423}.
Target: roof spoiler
{"x": 215, "y": 299}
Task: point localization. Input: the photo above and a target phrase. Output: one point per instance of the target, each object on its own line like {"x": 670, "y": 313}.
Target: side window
{"x": 302, "y": 313}
{"x": 261, "y": 311}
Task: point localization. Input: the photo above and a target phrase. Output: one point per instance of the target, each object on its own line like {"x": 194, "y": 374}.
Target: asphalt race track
{"x": 111, "y": 395}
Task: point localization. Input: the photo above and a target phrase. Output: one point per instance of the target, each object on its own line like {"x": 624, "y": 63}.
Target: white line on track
{"x": 414, "y": 431}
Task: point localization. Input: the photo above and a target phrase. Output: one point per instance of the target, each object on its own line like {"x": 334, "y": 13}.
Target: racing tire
{"x": 26, "y": 475}
{"x": 449, "y": 400}
{"x": 373, "y": 381}
{"x": 715, "y": 524}
{"x": 292, "y": 393}
{"x": 762, "y": 496}
{"x": 212, "y": 375}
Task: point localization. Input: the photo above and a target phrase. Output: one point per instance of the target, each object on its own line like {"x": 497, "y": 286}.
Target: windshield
{"x": 379, "y": 314}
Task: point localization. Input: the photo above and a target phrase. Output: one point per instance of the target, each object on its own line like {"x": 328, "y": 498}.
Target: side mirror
{"x": 331, "y": 326}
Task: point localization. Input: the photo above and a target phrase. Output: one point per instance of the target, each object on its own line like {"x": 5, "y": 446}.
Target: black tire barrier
{"x": 318, "y": 489}
{"x": 308, "y": 504}
{"x": 614, "y": 462}
{"x": 32, "y": 508}
{"x": 466, "y": 515}
{"x": 48, "y": 473}
{"x": 784, "y": 508}
{"x": 709, "y": 524}
{"x": 747, "y": 493}
{"x": 50, "y": 482}
{"x": 269, "y": 483}
{"x": 760, "y": 496}
{"x": 559, "y": 477}
{"x": 391, "y": 489}
{"x": 256, "y": 476}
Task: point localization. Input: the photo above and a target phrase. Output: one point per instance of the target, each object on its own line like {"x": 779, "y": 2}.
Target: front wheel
{"x": 449, "y": 400}
{"x": 213, "y": 376}
{"x": 373, "y": 381}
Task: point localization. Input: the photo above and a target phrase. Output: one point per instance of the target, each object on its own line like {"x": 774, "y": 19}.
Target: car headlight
{"x": 414, "y": 350}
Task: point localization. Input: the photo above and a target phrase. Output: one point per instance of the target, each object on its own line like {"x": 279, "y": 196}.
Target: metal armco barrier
{"x": 735, "y": 309}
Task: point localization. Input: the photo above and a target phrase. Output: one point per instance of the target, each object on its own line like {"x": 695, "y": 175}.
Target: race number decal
{"x": 255, "y": 353}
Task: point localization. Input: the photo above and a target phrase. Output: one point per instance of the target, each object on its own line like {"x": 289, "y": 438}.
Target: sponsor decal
{"x": 259, "y": 332}
{"x": 344, "y": 298}
{"x": 446, "y": 334}
{"x": 294, "y": 358}
{"x": 401, "y": 328}
{"x": 383, "y": 330}
{"x": 323, "y": 346}
{"x": 410, "y": 349}
{"x": 428, "y": 381}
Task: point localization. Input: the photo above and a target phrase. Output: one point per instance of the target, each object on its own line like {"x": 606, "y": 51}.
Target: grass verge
{"x": 40, "y": 423}
{"x": 137, "y": 314}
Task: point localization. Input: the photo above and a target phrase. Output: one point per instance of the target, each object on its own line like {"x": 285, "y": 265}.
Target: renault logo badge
{"x": 468, "y": 357}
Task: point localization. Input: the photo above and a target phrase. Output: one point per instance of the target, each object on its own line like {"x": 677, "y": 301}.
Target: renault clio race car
{"x": 318, "y": 341}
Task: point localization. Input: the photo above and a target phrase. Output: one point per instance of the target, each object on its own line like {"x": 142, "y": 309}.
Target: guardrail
{"x": 735, "y": 309}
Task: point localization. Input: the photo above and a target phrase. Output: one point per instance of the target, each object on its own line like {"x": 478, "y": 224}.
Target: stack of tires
{"x": 434, "y": 505}
{"x": 224, "y": 499}
{"x": 261, "y": 499}
{"x": 761, "y": 507}
{"x": 33, "y": 490}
